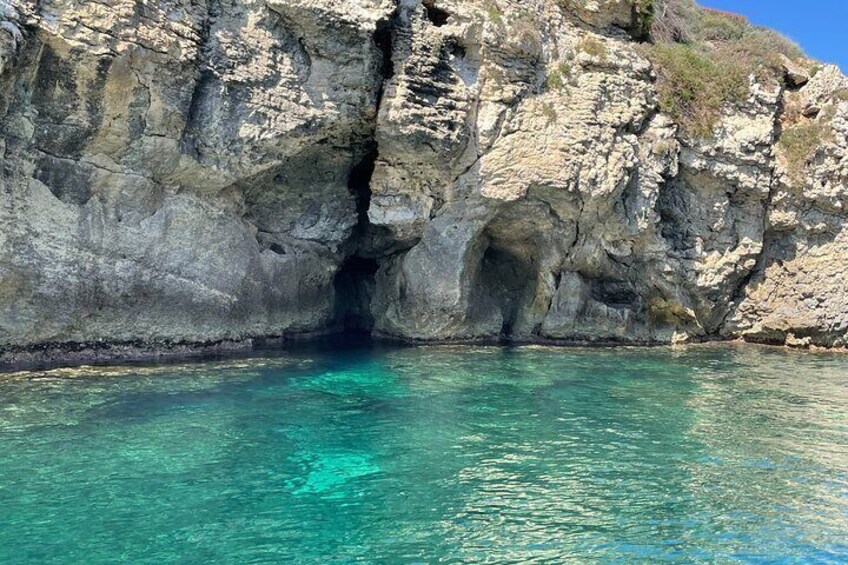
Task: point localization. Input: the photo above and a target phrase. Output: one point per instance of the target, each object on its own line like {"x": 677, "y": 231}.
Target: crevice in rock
{"x": 359, "y": 184}
{"x": 641, "y": 17}
{"x": 354, "y": 283}
{"x": 203, "y": 82}
{"x": 455, "y": 48}
{"x": 203, "y": 86}
{"x": 384, "y": 39}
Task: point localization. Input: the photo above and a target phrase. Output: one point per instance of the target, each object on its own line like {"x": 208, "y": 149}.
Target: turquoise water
{"x": 431, "y": 455}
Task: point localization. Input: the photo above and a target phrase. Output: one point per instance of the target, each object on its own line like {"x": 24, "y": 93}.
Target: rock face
{"x": 195, "y": 171}
{"x": 179, "y": 170}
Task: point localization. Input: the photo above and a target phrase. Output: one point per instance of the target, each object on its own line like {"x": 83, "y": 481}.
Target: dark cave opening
{"x": 437, "y": 16}
{"x": 616, "y": 294}
{"x": 508, "y": 280}
{"x": 455, "y": 49}
{"x": 354, "y": 287}
{"x": 354, "y": 283}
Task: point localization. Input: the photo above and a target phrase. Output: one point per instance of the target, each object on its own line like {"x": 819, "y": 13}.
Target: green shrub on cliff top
{"x": 703, "y": 59}
{"x": 643, "y": 18}
{"x": 673, "y": 20}
{"x": 693, "y": 87}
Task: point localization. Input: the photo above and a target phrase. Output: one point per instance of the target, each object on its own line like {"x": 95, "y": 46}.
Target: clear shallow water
{"x": 431, "y": 455}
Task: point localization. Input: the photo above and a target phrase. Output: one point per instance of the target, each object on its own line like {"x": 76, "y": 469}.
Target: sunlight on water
{"x": 431, "y": 455}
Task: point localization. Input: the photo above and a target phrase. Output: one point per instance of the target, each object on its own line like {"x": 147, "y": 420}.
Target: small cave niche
{"x": 508, "y": 274}
{"x": 437, "y": 16}
{"x": 354, "y": 287}
{"x": 457, "y": 61}
{"x": 277, "y": 248}
{"x": 641, "y": 19}
{"x": 615, "y": 294}
{"x": 455, "y": 49}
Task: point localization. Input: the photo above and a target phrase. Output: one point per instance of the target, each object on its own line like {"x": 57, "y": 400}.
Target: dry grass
{"x": 799, "y": 144}
{"x": 673, "y": 21}
{"x": 803, "y": 136}
{"x": 593, "y": 47}
{"x": 524, "y": 30}
{"x": 693, "y": 87}
{"x": 557, "y": 78}
{"x": 549, "y": 112}
{"x": 494, "y": 13}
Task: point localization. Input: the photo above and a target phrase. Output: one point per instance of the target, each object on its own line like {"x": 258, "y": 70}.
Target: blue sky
{"x": 819, "y": 26}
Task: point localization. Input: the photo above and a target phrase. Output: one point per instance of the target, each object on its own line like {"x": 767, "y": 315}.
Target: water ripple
{"x": 431, "y": 455}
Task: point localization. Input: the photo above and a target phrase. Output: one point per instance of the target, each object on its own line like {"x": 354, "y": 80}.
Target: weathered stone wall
{"x": 181, "y": 171}
{"x": 178, "y": 170}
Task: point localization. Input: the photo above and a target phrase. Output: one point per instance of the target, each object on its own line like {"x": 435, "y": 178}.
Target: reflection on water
{"x": 427, "y": 455}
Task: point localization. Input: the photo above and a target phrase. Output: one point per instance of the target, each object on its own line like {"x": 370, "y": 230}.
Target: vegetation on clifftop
{"x": 704, "y": 58}
{"x": 803, "y": 135}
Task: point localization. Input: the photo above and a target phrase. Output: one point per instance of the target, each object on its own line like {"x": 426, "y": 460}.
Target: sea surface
{"x": 331, "y": 454}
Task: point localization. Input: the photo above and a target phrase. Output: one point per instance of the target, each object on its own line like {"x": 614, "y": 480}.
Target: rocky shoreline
{"x": 46, "y": 357}
{"x": 184, "y": 172}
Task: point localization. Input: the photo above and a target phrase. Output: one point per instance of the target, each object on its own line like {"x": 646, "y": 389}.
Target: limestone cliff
{"x": 199, "y": 171}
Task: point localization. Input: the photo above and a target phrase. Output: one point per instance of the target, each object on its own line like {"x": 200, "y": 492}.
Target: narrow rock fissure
{"x": 355, "y": 281}
{"x": 359, "y": 184}
{"x": 383, "y": 39}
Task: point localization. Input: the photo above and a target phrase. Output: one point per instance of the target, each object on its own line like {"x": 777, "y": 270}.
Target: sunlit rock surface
{"x": 196, "y": 172}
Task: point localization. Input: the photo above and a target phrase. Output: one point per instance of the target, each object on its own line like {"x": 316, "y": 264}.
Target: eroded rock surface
{"x": 184, "y": 171}
{"x": 179, "y": 170}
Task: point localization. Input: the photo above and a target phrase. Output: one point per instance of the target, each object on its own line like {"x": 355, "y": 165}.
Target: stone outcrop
{"x": 798, "y": 294}
{"x": 178, "y": 171}
{"x": 191, "y": 172}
